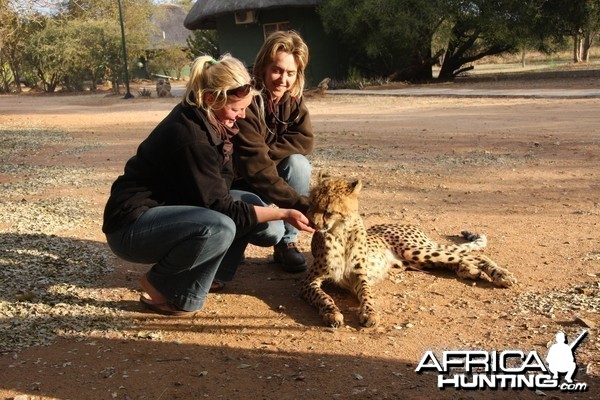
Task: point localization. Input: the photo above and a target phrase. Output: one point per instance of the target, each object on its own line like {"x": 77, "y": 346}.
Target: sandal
{"x": 217, "y": 285}
{"x": 163, "y": 308}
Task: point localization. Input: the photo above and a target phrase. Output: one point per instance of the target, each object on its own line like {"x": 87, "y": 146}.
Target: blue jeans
{"x": 295, "y": 170}
{"x": 190, "y": 246}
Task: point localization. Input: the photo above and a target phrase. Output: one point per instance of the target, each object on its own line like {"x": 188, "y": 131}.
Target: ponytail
{"x": 216, "y": 77}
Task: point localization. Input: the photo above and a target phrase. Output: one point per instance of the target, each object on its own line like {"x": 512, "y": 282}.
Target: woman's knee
{"x": 247, "y": 197}
{"x": 268, "y": 234}
{"x": 207, "y": 230}
{"x": 222, "y": 231}
{"x": 297, "y": 163}
{"x": 296, "y": 171}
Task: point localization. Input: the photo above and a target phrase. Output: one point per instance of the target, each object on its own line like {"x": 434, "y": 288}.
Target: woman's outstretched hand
{"x": 289, "y": 215}
{"x": 298, "y": 220}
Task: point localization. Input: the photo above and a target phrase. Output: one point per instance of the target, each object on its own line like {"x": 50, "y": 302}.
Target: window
{"x": 274, "y": 27}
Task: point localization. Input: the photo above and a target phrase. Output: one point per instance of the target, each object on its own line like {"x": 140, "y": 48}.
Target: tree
{"x": 82, "y": 41}
{"x": 203, "y": 42}
{"x": 136, "y": 14}
{"x": 94, "y": 50}
{"x": 9, "y": 42}
{"x": 482, "y": 28}
{"x": 577, "y": 19}
{"x": 15, "y": 30}
{"x": 390, "y": 38}
{"x": 71, "y": 51}
{"x": 45, "y": 53}
{"x": 168, "y": 60}
{"x": 403, "y": 39}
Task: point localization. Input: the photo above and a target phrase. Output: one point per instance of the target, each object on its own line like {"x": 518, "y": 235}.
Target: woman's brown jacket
{"x": 260, "y": 147}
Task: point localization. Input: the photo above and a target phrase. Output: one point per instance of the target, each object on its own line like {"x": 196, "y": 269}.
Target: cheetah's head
{"x": 333, "y": 201}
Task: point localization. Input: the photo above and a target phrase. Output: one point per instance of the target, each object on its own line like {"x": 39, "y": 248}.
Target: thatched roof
{"x": 204, "y": 12}
{"x": 170, "y": 32}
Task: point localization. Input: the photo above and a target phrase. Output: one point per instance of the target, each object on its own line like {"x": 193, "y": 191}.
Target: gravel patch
{"x": 357, "y": 155}
{"x": 585, "y": 297}
{"x": 16, "y": 140}
{"x": 48, "y": 216}
{"x": 484, "y": 158}
{"x": 51, "y": 285}
{"x": 577, "y": 304}
{"x": 38, "y": 179}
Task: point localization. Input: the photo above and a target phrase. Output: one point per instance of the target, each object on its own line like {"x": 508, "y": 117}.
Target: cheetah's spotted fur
{"x": 355, "y": 258}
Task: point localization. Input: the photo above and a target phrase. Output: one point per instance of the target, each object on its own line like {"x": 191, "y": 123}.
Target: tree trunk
{"x": 53, "y": 84}
{"x": 585, "y": 48}
{"x": 94, "y": 87}
{"x": 577, "y": 48}
{"x": 446, "y": 72}
{"x": 16, "y": 77}
{"x": 5, "y": 82}
{"x": 115, "y": 86}
{"x": 523, "y": 62}
{"x": 449, "y": 67}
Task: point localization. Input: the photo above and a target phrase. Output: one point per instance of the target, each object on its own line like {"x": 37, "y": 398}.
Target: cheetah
{"x": 355, "y": 258}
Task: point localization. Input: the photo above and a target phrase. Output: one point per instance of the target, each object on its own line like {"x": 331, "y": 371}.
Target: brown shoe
{"x": 290, "y": 258}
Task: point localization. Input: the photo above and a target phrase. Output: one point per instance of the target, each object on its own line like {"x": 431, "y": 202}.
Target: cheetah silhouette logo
{"x": 561, "y": 357}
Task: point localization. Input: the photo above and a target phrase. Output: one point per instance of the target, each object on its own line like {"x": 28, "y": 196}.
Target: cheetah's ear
{"x": 355, "y": 186}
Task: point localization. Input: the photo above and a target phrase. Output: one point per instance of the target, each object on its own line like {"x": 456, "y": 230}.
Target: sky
{"x": 46, "y": 6}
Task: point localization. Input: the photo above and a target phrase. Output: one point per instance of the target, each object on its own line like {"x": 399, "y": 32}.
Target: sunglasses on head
{"x": 241, "y": 91}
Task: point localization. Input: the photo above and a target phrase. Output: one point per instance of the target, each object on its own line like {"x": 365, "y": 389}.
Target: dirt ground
{"x": 526, "y": 172}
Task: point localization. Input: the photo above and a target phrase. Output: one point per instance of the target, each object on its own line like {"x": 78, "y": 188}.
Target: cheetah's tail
{"x": 475, "y": 241}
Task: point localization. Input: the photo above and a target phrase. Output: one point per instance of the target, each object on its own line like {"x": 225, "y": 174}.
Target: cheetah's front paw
{"x": 369, "y": 319}
{"x": 334, "y": 319}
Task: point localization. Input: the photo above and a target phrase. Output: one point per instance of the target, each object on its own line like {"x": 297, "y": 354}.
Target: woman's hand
{"x": 291, "y": 216}
{"x": 298, "y": 220}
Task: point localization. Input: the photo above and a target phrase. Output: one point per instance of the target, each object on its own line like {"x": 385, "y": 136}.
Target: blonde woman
{"x": 276, "y": 136}
{"x": 173, "y": 206}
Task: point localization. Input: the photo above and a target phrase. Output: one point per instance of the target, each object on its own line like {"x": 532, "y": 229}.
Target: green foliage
{"x": 6, "y": 77}
{"x": 203, "y": 42}
{"x": 14, "y": 33}
{"x": 94, "y": 52}
{"x": 168, "y": 61}
{"x": 386, "y": 37}
{"x": 355, "y": 80}
{"x": 46, "y": 53}
{"x": 145, "y": 93}
{"x": 402, "y": 39}
{"x": 482, "y": 28}
{"x": 135, "y": 12}
{"x": 576, "y": 19}
{"x": 73, "y": 50}
{"x": 81, "y": 42}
